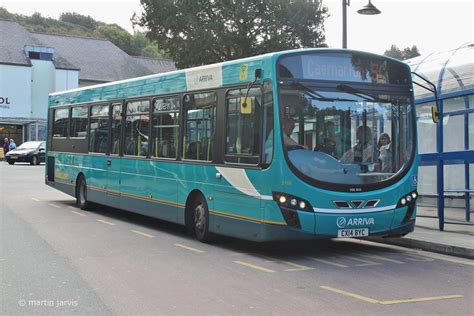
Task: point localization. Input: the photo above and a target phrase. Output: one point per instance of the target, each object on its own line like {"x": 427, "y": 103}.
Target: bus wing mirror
{"x": 432, "y": 88}
{"x": 435, "y": 114}
{"x": 246, "y": 105}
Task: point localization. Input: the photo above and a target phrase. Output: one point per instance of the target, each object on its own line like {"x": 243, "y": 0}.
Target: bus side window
{"x": 200, "y": 126}
{"x": 60, "y": 123}
{"x": 165, "y": 127}
{"x": 242, "y": 142}
{"x": 136, "y": 128}
{"x": 79, "y": 122}
{"x": 99, "y": 129}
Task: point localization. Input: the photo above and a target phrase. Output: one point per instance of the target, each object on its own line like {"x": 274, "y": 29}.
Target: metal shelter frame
{"x": 440, "y": 158}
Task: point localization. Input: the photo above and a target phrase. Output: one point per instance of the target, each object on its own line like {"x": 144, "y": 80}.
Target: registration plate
{"x": 13, "y": 157}
{"x": 353, "y": 232}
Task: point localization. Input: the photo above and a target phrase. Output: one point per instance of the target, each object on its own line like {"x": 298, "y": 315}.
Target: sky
{"x": 431, "y": 25}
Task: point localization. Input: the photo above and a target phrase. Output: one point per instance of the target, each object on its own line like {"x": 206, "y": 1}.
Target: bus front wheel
{"x": 200, "y": 219}
{"x": 81, "y": 193}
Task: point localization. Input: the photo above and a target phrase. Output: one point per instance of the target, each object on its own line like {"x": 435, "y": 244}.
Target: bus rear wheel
{"x": 200, "y": 219}
{"x": 81, "y": 193}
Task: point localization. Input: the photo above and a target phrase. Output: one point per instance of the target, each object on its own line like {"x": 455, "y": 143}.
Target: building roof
{"x": 96, "y": 59}
{"x": 156, "y": 65}
{"x": 13, "y": 39}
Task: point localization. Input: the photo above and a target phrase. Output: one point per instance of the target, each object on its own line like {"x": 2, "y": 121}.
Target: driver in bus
{"x": 288, "y": 127}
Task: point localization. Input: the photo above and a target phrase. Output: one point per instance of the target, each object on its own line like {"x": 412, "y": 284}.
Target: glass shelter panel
{"x": 427, "y": 130}
{"x": 471, "y": 132}
{"x": 453, "y": 133}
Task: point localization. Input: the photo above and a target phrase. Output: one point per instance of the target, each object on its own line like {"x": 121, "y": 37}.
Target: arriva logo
{"x": 342, "y": 222}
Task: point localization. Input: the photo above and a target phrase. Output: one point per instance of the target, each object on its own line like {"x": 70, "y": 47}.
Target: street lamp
{"x": 369, "y": 9}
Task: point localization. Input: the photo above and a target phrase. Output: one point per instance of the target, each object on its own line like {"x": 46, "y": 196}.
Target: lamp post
{"x": 368, "y": 9}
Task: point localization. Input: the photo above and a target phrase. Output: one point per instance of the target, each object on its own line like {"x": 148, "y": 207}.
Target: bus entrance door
{"x": 113, "y": 181}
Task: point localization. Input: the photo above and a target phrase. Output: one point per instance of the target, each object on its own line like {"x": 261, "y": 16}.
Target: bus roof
{"x": 191, "y": 79}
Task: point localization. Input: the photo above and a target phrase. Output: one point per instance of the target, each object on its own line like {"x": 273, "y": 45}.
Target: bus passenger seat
{"x": 194, "y": 151}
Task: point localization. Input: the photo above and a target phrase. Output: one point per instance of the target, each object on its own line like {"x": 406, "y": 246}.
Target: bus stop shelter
{"x": 446, "y": 173}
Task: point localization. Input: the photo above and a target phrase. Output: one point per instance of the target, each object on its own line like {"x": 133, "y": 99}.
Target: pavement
{"x": 455, "y": 240}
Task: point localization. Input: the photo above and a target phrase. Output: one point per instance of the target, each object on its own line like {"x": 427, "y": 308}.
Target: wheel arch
{"x": 188, "y": 206}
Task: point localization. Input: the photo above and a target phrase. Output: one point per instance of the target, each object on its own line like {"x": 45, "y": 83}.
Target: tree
{"x": 115, "y": 34}
{"x": 138, "y": 42}
{"x": 5, "y": 14}
{"x": 196, "y": 32}
{"x": 79, "y": 19}
{"x": 411, "y": 52}
{"x": 397, "y": 53}
{"x": 151, "y": 51}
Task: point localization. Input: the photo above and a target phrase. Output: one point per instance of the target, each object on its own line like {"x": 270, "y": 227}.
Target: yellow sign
{"x": 244, "y": 72}
{"x": 245, "y": 106}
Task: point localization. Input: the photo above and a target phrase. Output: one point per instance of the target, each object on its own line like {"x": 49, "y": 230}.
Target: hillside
{"x": 71, "y": 23}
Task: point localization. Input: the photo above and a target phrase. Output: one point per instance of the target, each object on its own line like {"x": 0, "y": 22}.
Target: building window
{"x": 200, "y": 126}
{"x": 40, "y": 56}
{"x": 79, "y": 122}
{"x": 165, "y": 127}
{"x": 61, "y": 119}
{"x": 136, "y": 128}
{"x": 242, "y": 128}
{"x": 99, "y": 129}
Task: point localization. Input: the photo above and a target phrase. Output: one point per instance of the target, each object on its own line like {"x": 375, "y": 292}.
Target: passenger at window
{"x": 363, "y": 149}
{"x": 327, "y": 143}
{"x": 385, "y": 153}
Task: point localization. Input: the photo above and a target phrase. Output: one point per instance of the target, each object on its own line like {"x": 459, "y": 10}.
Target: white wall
{"x": 66, "y": 79}
{"x": 15, "y": 84}
{"x": 43, "y": 82}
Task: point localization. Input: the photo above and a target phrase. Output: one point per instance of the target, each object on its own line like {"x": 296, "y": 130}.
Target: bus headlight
{"x": 408, "y": 200}
{"x": 291, "y": 202}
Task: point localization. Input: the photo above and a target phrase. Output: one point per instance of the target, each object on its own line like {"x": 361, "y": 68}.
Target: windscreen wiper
{"x": 360, "y": 94}
{"x": 315, "y": 95}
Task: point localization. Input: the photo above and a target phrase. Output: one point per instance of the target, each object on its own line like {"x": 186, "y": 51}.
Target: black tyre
{"x": 200, "y": 219}
{"x": 11, "y": 162}
{"x": 34, "y": 161}
{"x": 81, "y": 193}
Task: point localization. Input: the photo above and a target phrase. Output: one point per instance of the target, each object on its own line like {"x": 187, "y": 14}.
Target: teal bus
{"x": 308, "y": 143}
